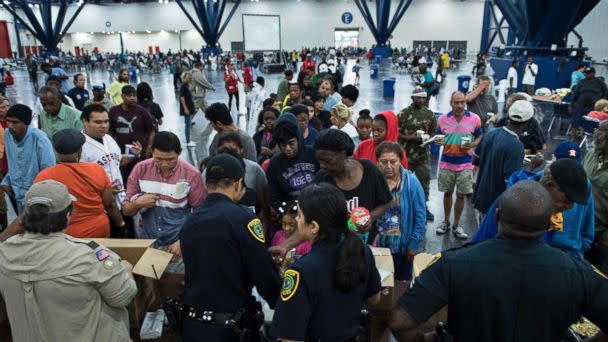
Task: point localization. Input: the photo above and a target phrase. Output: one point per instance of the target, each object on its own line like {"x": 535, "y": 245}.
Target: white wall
{"x": 303, "y": 23}
{"x": 594, "y": 30}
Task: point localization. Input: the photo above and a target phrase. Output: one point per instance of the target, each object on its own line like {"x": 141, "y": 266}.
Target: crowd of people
{"x": 289, "y": 206}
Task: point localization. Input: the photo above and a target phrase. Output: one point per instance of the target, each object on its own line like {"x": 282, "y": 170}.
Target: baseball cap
{"x": 68, "y": 141}
{"x": 589, "y": 69}
{"x": 128, "y": 89}
{"x": 99, "y": 87}
{"x": 224, "y": 166}
{"x": 568, "y": 149}
{"x": 419, "y": 92}
{"x": 49, "y": 193}
{"x": 521, "y": 111}
{"x": 571, "y": 178}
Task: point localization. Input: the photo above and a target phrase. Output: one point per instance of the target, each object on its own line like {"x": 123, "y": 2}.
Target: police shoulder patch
{"x": 435, "y": 259}
{"x": 290, "y": 284}
{"x": 596, "y": 270}
{"x": 255, "y": 228}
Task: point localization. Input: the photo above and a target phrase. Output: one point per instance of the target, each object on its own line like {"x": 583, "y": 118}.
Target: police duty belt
{"x": 214, "y": 318}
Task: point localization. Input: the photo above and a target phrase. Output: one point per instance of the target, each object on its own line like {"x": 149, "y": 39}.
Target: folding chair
{"x": 560, "y": 111}
{"x": 589, "y": 126}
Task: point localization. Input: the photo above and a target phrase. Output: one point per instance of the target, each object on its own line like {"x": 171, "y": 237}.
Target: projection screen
{"x": 261, "y": 32}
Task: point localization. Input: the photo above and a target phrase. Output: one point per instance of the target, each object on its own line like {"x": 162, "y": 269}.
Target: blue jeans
{"x": 188, "y": 123}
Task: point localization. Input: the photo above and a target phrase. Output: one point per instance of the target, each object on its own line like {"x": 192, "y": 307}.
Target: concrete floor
{"x": 370, "y": 97}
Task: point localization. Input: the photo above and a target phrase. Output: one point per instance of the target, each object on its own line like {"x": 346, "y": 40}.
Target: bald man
{"x": 458, "y": 131}
{"x": 512, "y": 288}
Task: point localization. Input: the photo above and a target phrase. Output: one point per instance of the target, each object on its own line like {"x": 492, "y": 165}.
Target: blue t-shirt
{"x": 65, "y": 84}
{"x": 312, "y": 135}
{"x": 500, "y": 154}
{"x": 428, "y": 77}
{"x": 80, "y": 96}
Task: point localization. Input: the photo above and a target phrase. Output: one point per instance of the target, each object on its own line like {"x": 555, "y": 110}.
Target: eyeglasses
{"x": 392, "y": 162}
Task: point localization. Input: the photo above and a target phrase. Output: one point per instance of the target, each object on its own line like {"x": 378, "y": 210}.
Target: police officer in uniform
{"x": 59, "y": 288}
{"x": 512, "y": 288}
{"x": 323, "y": 293}
{"x": 225, "y": 256}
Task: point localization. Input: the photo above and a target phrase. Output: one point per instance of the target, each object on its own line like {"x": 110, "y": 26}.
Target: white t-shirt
{"x": 512, "y": 75}
{"x": 350, "y": 130}
{"x": 528, "y": 77}
{"x": 107, "y": 155}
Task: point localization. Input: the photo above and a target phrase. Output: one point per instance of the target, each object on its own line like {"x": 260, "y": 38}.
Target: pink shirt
{"x": 301, "y": 250}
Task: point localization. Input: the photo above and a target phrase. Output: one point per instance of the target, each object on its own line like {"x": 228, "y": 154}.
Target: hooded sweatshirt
{"x": 367, "y": 148}
{"x": 288, "y": 176}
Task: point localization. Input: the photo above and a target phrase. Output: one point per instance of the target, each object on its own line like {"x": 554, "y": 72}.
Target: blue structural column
{"x": 383, "y": 27}
{"x": 49, "y": 34}
{"x": 209, "y": 15}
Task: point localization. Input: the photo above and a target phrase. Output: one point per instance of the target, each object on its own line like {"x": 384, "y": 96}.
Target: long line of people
{"x": 127, "y": 179}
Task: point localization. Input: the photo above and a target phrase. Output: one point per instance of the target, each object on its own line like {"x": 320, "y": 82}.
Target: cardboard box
{"x": 139, "y": 253}
{"x": 384, "y": 264}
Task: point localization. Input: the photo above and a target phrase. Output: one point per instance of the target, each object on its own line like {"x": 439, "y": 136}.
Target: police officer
{"x": 59, "y": 288}
{"x": 225, "y": 256}
{"x": 324, "y": 292}
{"x": 512, "y": 288}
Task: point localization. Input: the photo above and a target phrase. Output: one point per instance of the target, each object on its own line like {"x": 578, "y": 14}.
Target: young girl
{"x": 364, "y": 127}
{"x": 263, "y": 137}
{"x": 384, "y": 128}
{"x": 287, "y": 213}
{"x": 231, "y": 78}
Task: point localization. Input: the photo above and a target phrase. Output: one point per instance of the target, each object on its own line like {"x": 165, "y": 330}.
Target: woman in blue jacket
{"x": 402, "y": 227}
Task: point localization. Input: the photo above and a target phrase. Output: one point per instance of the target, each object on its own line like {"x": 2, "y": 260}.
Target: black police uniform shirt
{"x": 311, "y": 309}
{"x": 509, "y": 290}
{"x": 225, "y": 257}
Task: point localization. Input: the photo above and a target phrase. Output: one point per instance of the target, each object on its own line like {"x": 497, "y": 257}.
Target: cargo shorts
{"x": 449, "y": 180}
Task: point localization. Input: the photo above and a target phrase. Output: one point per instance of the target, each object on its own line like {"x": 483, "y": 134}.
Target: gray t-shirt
{"x": 249, "y": 151}
{"x": 483, "y": 104}
{"x": 255, "y": 178}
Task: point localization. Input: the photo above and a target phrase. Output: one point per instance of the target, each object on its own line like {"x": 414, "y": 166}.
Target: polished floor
{"x": 370, "y": 97}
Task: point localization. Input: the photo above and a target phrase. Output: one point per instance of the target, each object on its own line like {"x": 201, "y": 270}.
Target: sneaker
{"x": 459, "y": 232}
{"x": 429, "y": 216}
{"x": 443, "y": 228}
{"x": 191, "y": 144}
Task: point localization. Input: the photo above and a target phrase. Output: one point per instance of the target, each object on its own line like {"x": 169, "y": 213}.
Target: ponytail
{"x": 326, "y": 205}
{"x": 349, "y": 269}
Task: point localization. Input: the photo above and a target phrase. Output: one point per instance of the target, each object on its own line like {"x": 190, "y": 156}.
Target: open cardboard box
{"x": 139, "y": 253}
{"x": 384, "y": 264}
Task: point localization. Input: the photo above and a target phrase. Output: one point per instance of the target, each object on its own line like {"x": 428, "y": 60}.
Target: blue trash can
{"x": 373, "y": 70}
{"x": 389, "y": 86}
{"x": 463, "y": 83}
{"x": 133, "y": 74}
{"x": 378, "y": 59}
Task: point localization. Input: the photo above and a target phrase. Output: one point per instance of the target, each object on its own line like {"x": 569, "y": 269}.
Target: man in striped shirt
{"x": 459, "y": 131}
{"x": 164, "y": 190}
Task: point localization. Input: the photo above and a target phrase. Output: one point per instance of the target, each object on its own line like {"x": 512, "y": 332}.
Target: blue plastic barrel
{"x": 463, "y": 83}
{"x": 373, "y": 70}
{"x": 378, "y": 59}
{"x": 388, "y": 86}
